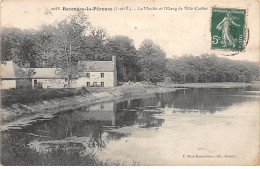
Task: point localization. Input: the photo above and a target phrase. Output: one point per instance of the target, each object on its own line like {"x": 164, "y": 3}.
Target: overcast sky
{"x": 177, "y": 32}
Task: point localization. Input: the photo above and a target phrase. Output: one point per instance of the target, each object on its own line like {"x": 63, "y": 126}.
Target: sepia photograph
{"x": 130, "y": 83}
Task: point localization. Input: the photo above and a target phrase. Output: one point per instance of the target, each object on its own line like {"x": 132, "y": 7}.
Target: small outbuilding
{"x": 11, "y": 75}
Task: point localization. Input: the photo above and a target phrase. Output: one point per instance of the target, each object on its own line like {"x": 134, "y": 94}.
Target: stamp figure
{"x": 227, "y": 29}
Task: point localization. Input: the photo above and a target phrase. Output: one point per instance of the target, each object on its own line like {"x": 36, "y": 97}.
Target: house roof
{"x": 98, "y": 66}
{"x": 46, "y": 73}
{"x": 9, "y": 70}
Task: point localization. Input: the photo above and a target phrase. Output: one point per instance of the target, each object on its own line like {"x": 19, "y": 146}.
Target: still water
{"x": 186, "y": 127}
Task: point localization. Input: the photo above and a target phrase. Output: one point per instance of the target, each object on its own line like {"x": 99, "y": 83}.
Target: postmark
{"x": 228, "y": 29}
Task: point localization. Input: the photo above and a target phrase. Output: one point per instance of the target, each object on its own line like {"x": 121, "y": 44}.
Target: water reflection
{"x": 104, "y": 112}
{"x": 209, "y": 100}
{"x": 106, "y": 124}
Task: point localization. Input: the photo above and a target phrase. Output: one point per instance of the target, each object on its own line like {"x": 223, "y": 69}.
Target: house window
{"x": 102, "y": 84}
{"x": 88, "y": 84}
{"x": 88, "y": 75}
{"x": 35, "y": 82}
{"x": 102, "y": 75}
{"x": 95, "y": 84}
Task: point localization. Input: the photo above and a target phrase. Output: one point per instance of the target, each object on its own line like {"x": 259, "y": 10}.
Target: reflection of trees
{"x": 115, "y": 135}
{"x": 200, "y": 99}
{"x": 98, "y": 140}
{"x": 144, "y": 118}
{"x": 69, "y": 125}
{"x": 128, "y": 118}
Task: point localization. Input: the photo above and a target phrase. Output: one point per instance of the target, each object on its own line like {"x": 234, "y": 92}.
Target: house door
{"x": 34, "y": 83}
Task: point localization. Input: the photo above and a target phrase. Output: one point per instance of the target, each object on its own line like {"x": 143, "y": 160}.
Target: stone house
{"x": 97, "y": 74}
{"x": 94, "y": 74}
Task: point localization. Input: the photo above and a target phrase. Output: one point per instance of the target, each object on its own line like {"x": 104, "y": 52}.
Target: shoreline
{"x": 211, "y": 85}
{"x": 19, "y": 115}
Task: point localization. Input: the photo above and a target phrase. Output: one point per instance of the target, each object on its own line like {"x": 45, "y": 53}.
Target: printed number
{"x": 215, "y": 39}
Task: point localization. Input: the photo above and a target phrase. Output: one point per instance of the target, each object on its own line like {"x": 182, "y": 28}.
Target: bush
{"x": 23, "y": 96}
{"x": 167, "y": 80}
{"x": 83, "y": 90}
{"x": 16, "y": 151}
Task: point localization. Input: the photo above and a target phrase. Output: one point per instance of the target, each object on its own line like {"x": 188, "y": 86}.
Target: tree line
{"x": 210, "y": 68}
{"x": 73, "y": 39}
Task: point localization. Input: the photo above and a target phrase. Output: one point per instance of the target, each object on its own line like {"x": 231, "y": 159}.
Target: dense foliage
{"x": 151, "y": 61}
{"x": 65, "y": 43}
{"x": 210, "y": 68}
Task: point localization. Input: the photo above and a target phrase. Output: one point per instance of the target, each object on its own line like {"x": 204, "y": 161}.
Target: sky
{"x": 177, "y": 32}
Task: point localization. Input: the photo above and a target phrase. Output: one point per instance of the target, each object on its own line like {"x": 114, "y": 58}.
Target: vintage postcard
{"x": 130, "y": 83}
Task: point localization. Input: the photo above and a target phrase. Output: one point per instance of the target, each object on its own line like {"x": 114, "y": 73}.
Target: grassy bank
{"x": 24, "y": 156}
{"x": 24, "y": 96}
{"x": 18, "y": 153}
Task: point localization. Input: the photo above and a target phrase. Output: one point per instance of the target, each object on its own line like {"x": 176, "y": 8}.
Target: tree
{"x": 94, "y": 47}
{"x": 17, "y": 45}
{"x": 123, "y": 48}
{"x": 44, "y": 41}
{"x": 25, "y": 75}
{"x": 151, "y": 59}
{"x": 67, "y": 45}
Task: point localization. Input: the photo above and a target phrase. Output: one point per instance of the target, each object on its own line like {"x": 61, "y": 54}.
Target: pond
{"x": 185, "y": 127}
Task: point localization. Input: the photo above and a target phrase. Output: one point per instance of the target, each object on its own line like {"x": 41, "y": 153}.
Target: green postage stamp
{"x": 228, "y": 29}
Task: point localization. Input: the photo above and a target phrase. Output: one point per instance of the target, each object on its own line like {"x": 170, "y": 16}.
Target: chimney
{"x": 114, "y": 61}
{"x": 115, "y": 72}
